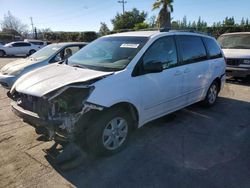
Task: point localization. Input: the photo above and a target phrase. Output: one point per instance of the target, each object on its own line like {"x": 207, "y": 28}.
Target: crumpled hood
{"x": 51, "y": 77}
{"x": 17, "y": 65}
{"x": 237, "y": 53}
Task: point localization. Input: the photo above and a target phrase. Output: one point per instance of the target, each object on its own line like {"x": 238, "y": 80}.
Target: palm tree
{"x": 164, "y": 17}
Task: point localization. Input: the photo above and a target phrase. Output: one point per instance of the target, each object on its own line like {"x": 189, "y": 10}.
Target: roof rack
{"x": 184, "y": 30}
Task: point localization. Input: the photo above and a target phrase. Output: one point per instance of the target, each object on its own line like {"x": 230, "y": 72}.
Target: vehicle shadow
{"x": 193, "y": 147}
{"x": 10, "y": 57}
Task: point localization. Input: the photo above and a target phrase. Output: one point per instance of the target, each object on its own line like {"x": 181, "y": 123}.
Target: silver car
{"x": 47, "y": 55}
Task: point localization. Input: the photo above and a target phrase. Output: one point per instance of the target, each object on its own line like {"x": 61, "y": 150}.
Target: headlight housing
{"x": 15, "y": 72}
{"x": 69, "y": 99}
{"x": 246, "y": 61}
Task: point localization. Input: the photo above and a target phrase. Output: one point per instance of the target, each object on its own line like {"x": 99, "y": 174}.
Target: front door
{"x": 161, "y": 92}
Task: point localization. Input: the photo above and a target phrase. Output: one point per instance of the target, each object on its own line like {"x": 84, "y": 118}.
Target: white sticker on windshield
{"x": 55, "y": 49}
{"x": 129, "y": 45}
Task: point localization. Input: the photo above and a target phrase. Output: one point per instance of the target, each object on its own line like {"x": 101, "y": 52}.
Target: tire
{"x": 2, "y": 53}
{"x": 31, "y": 52}
{"x": 109, "y": 133}
{"x": 211, "y": 95}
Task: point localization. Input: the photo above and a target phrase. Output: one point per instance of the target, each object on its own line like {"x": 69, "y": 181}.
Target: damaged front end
{"x": 56, "y": 114}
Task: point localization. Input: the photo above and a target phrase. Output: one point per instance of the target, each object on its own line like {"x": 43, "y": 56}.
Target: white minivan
{"x": 118, "y": 83}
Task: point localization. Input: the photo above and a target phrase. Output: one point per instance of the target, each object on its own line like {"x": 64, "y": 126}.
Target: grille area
{"x": 233, "y": 62}
{"x": 33, "y": 104}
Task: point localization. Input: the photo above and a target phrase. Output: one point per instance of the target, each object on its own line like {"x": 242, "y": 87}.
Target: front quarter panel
{"x": 117, "y": 88}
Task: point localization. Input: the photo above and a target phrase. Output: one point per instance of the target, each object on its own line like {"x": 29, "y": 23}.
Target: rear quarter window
{"x": 213, "y": 48}
{"x": 191, "y": 49}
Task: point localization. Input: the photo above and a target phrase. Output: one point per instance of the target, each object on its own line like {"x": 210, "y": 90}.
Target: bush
{"x": 6, "y": 37}
{"x": 70, "y": 36}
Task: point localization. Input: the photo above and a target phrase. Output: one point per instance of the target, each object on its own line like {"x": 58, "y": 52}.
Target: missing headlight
{"x": 69, "y": 100}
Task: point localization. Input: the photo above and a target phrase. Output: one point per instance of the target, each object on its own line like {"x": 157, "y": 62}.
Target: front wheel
{"x": 109, "y": 133}
{"x": 212, "y": 95}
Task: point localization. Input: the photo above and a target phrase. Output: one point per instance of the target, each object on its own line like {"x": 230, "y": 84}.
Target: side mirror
{"x": 153, "y": 66}
{"x": 10, "y": 46}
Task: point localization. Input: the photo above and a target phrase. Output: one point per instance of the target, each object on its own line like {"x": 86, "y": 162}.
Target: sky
{"x": 86, "y": 15}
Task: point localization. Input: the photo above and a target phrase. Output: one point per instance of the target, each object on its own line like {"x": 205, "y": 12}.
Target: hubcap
{"x": 115, "y": 133}
{"x": 212, "y": 94}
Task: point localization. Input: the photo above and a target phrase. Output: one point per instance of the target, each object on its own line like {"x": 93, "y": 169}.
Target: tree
{"x": 142, "y": 25}
{"x": 129, "y": 19}
{"x": 164, "y": 16}
{"x": 104, "y": 30}
{"x": 152, "y": 21}
{"x": 229, "y": 21}
{"x": 12, "y": 25}
{"x": 242, "y": 22}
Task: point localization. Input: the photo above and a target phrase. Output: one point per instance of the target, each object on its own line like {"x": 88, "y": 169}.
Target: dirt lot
{"x": 194, "y": 147}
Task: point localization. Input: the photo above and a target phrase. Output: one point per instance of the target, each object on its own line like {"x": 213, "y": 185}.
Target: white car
{"x": 1, "y": 44}
{"x": 236, "y": 47}
{"x": 39, "y": 43}
{"x": 118, "y": 83}
{"x": 18, "y": 48}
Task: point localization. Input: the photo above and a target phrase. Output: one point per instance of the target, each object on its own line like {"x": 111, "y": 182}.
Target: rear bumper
{"x": 237, "y": 71}
{"x": 223, "y": 81}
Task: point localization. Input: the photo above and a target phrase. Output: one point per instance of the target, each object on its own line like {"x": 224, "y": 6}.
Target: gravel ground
{"x": 193, "y": 147}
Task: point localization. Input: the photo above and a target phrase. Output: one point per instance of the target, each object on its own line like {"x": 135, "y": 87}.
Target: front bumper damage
{"x": 58, "y": 129}
{"x": 42, "y": 116}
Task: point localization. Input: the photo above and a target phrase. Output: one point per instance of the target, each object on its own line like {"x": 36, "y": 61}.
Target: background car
{"x": 1, "y": 43}
{"x": 47, "y": 55}
{"x": 38, "y": 43}
{"x": 18, "y": 48}
{"x": 236, "y": 47}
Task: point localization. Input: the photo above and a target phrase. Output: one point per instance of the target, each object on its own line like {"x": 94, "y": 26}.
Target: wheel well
{"x": 218, "y": 81}
{"x": 128, "y": 107}
{"x": 3, "y": 51}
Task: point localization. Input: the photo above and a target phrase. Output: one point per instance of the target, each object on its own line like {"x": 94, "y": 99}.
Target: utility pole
{"x": 32, "y": 26}
{"x": 123, "y": 5}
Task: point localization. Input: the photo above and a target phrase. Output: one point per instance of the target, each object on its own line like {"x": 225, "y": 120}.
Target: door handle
{"x": 177, "y": 73}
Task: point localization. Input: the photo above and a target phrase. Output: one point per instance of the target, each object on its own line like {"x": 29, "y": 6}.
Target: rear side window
{"x": 21, "y": 44}
{"x": 213, "y": 48}
{"x": 191, "y": 49}
{"x": 37, "y": 43}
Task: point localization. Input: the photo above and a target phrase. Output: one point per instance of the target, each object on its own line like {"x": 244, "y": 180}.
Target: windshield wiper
{"x": 78, "y": 65}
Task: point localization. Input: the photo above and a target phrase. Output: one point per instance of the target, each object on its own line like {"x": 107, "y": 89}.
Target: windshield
{"x": 235, "y": 41}
{"x": 108, "y": 53}
{"x": 46, "y": 52}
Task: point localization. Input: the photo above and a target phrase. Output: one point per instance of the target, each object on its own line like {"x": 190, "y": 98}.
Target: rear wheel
{"x": 2, "y": 53}
{"x": 212, "y": 95}
{"x": 31, "y": 52}
{"x": 109, "y": 133}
